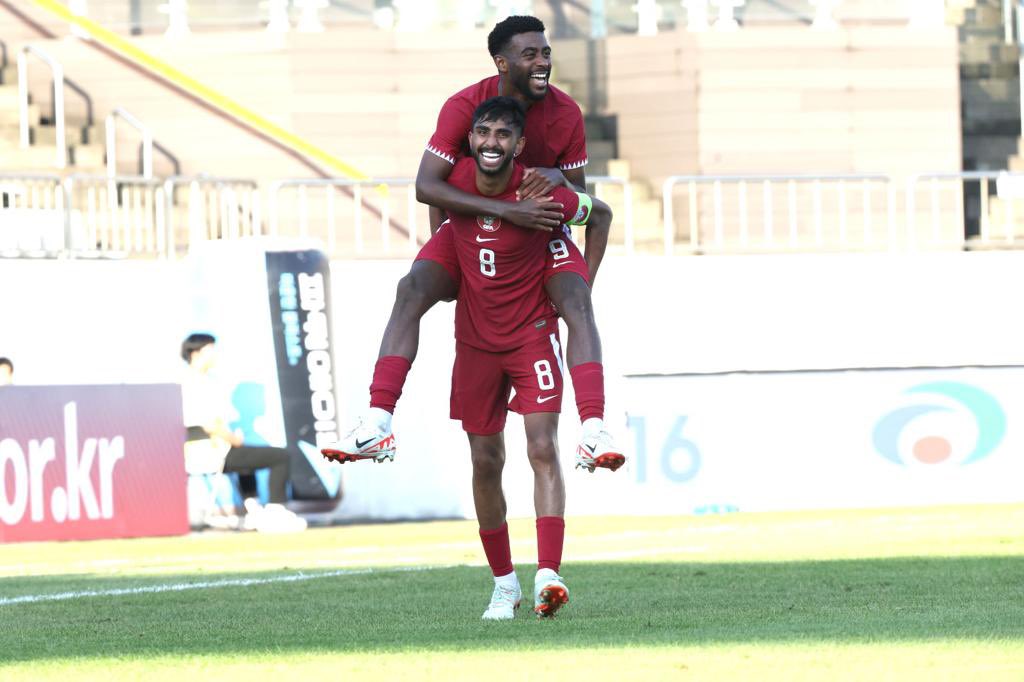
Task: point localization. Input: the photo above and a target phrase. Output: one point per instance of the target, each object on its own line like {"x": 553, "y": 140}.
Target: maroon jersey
{"x": 502, "y": 304}
{"x": 554, "y": 130}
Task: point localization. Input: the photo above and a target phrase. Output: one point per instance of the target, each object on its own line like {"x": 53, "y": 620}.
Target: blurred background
{"x": 806, "y": 299}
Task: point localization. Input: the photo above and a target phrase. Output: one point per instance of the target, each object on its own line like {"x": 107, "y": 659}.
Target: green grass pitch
{"x": 930, "y": 594}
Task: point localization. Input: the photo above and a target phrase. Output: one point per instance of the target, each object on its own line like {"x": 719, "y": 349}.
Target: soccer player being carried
{"x": 553, "y": 157}
{"x": 507, "y": 337}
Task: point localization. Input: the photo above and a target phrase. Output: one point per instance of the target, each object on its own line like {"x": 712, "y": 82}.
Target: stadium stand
{"x": 864, "y": 108}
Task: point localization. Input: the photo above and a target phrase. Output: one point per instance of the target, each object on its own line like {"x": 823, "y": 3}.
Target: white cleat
{"x": 549, "y": 593}
{"x": 365, "y": 441}
{"x": 598, "y": 451}
{"x": 504, "y": 602}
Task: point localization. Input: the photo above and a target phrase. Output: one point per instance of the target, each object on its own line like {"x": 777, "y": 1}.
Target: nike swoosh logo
{"x": 543, "y": 399}
{"x": 479, "y": 239}
{"x": 363, "y": 444}
{"x": 558, "y": 265}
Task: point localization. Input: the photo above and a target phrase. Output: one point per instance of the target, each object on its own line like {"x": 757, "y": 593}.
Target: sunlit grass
{"x": 898, "y": 594}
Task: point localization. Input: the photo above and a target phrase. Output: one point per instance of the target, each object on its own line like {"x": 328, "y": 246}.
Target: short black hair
{"x": 508, "y": 28}
{"x": 7, "y": 361}
{"x": 194, "y": 343}
{"x": 501, "y": 109}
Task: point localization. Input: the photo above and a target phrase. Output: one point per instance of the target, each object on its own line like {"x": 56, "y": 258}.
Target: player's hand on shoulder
{"x": 540, "y": 213}
{"x": 538, "y": 182}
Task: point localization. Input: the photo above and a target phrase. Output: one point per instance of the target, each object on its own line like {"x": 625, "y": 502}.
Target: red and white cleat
{"x": 598, "y": 451}
{"x": 549, "y": 593}
{"x": 365, "y": 441}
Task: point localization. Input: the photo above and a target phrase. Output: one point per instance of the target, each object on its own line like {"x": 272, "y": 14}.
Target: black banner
{"x": 298, "y": 283}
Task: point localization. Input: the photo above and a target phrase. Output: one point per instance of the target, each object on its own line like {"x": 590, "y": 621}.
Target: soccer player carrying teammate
{"x": 506, "y": 336}
{"x": 554, "y": 155}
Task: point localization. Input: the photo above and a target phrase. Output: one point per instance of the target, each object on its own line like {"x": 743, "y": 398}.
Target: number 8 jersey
{"x": 502, "y": 304}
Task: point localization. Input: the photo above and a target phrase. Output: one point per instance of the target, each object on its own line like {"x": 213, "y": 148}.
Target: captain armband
{"x": 583, "y": 210}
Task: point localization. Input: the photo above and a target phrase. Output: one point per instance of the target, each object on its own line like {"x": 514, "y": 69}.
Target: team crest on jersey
{"x": 488, "y": 223}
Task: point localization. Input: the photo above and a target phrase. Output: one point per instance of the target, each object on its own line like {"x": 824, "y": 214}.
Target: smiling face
{"x": 494, "y": 144}
{"x": 526, "y": 63}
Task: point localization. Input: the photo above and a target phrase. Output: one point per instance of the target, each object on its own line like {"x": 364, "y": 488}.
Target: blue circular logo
{"x": 986, "y": 411}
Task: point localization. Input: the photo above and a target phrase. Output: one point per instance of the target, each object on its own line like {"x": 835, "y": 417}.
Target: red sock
{"x": 388, "y": 379}
{"x": 588, "y": 381}
{"x": 550, "y": 537}
{"x": 498, "y": 550}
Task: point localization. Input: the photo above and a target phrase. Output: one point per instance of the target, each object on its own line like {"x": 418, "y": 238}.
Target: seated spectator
{"x": 212, "y": 447}
{"x": 6, "y": 372}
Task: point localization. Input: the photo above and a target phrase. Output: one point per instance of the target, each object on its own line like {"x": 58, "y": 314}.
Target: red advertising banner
{"x": 90, "y": 462}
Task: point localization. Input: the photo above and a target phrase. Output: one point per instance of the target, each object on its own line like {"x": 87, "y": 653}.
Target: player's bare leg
{"x": 549, "y": 590}
{"x": 488, "y": 455}
{"x": 426, "y": 283}
{"x": 571, "y": 295}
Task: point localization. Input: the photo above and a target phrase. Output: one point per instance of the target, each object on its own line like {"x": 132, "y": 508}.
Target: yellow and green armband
{"x": 583, "y": 210}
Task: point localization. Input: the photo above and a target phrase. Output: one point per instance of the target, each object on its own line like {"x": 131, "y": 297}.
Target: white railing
{"x": 324, "y": 213}
{"x": 120, "y": 215}
{"x": 984, "y": 204}
{"x": 216, "y": 208}
{"x": 134, "y": 215}
{"x": 315, "y": 208}
{"x": 740, "y": 204}
{"x": 34, "y": 220}
{"x": 144, "y": 133}
{"x": 58, "y": 99}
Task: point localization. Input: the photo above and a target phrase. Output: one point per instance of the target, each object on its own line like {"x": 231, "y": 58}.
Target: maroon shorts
{"x": 440, "y": 248}
{"x": 482, "y": 383}
{"x": 562, "y": 256}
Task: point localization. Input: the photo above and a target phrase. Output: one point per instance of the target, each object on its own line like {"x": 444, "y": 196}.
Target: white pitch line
{"x": 181, "y": 587}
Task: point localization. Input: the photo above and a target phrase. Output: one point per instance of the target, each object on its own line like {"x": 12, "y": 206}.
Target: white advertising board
{"x": 813, "y": 440}
{"x": 112, "y": 322}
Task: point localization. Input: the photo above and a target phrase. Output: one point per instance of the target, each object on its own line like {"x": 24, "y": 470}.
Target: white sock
{"x": 380, "y": 417}
{"x": 509, "y": 580}
{"x": 592, "y": 425}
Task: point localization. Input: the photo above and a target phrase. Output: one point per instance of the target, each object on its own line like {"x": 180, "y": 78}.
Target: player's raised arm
{"x": 432, "y": 188}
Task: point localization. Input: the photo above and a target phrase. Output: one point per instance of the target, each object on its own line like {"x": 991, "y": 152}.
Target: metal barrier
{"x": 217, "y": 208}
{"x": 133, "y": 215}
{"x": 357, "y": 189}
{"x": 33, "y": 216}
{"x": 308, "y": 218}
{"x": 60, "y": 81}
{"x": 732, "y": 228}
{"x": 144, "y": 132}
{"x": 119, "y": 215}
{"x": 984, "y": 205}
{"x": 58, "y": 99}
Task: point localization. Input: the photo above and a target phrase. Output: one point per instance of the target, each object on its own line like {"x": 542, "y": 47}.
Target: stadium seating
{"x": 872, "y": 97}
